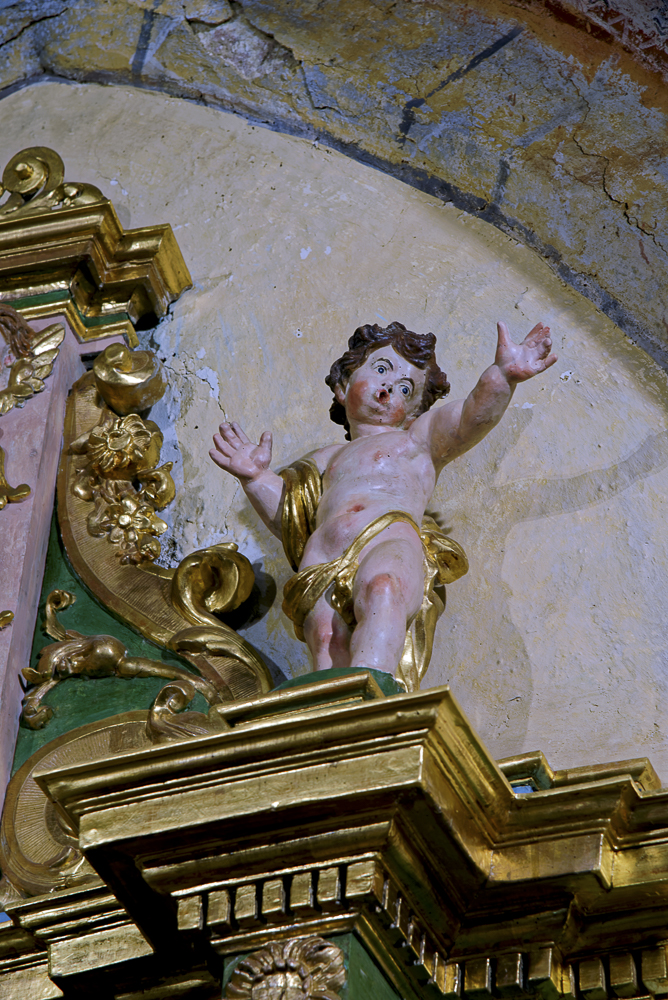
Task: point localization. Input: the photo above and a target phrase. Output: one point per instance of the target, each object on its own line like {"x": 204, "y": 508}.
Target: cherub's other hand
{"x": 518, "y": 362}
{"x": 238, "y": 455}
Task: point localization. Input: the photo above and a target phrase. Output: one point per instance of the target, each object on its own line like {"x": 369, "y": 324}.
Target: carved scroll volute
{"x": 167, "y": 719}
{"x": 216, "y": 579}
{"x": 35, "y": 180}
{"x": 39, "y": 852}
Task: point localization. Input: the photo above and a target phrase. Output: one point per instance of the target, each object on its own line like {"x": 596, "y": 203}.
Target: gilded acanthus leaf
{"x": 26, "y": 357}
{"x": 77, "y": 655}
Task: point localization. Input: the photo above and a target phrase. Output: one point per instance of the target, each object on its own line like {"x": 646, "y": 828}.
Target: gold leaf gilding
{"x": 129, "y": 381}
{"x": 297, "y": 969}
{"x": 35, "y": 181}
{"x": 30, "y": 357}
{"x": 117, "y": 473}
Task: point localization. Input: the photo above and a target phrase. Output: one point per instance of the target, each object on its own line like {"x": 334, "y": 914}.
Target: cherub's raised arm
{"x": 457, "y": 426}
{"x": 249, "y": 463}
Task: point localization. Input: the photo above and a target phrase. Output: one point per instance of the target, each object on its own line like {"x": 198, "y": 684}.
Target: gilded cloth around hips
{"x": 444, "y": 562}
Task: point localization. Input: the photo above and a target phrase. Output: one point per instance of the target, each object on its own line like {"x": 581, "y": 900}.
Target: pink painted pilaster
{"x": 32, "y": 439}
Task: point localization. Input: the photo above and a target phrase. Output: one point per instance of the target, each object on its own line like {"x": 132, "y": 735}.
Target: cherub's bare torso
{"x": 363, "y": 479}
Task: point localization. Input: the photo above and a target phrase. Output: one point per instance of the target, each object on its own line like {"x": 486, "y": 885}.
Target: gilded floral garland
{"x": 118, "y": 474}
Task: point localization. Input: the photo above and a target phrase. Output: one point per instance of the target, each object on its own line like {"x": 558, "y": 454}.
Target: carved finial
{"x": 35, "y": 181}
{"x": 129, "y": 381}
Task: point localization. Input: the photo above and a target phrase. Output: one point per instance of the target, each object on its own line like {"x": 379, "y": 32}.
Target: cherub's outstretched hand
{"x": 518, "y": 362}
{"x": 238, "y": 455}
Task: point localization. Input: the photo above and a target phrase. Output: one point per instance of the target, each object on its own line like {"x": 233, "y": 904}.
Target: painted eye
{"x": 406, "y": 390}
{"x": 381, "y": 369}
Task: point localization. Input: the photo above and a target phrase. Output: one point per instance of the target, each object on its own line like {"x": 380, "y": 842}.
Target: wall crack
{"x": 31, "y": 24}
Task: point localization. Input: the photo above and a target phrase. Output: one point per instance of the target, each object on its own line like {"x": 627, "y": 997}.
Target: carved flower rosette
{"x": 297, "y": 969}
{"x": 118, "y": 474}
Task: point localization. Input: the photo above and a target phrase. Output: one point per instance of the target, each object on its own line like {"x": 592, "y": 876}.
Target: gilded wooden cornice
{"x": 326, "y": 809}
{"x": 63, "y": 249}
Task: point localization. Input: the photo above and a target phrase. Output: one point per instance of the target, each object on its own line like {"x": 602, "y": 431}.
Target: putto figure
{"x": 370, "y": 567}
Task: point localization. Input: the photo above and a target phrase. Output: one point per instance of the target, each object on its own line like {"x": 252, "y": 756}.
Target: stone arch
{"x": 547, "y": 120}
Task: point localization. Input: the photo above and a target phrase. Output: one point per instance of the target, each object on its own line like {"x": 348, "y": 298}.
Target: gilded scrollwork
{"x": 110, "y": 489}
{"x": 34, "y": 178}
{"x": 28, "y": 357}
{"x": 167, "y": 719}
{"x": 215, "y": 580}
{"x": 39, "y": 849}
{"x": 297, "y": 969}
{"x": 118, "y": 473}
{"x": 77, "y": 655}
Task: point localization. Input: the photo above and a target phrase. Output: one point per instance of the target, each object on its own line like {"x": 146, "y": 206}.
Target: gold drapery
{"x": 444, "y": 562}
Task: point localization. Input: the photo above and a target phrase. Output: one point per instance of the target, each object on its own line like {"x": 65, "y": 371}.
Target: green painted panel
{"x": 79, "y": 700}
{"x": 365, "y": 979}
{"x": 62, "y": 296}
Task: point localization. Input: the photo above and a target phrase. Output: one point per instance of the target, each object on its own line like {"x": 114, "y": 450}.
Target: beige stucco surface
{"x": 556, "y": 638}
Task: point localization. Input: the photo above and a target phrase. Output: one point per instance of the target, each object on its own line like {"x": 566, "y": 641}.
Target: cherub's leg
{"x": 327, "y": 636}
{"x": 389, "y": 588}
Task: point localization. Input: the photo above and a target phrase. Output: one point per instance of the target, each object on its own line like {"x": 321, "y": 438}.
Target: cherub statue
{"x": 351, "y": 516}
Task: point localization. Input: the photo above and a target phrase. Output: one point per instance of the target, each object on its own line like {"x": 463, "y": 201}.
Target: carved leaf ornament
{"x": 297, "y": 969}
{"x": 27, "y": 357}
{"x": 77, "y": 655}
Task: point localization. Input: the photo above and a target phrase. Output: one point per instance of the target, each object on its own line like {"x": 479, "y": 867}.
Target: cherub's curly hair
{"x": 417, "y": 348}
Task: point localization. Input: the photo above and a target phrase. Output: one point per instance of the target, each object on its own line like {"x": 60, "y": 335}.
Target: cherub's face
{"x": 385, "y": 390}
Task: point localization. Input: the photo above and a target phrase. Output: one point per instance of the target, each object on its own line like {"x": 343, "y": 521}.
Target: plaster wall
{"x": 556, "y": 638}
